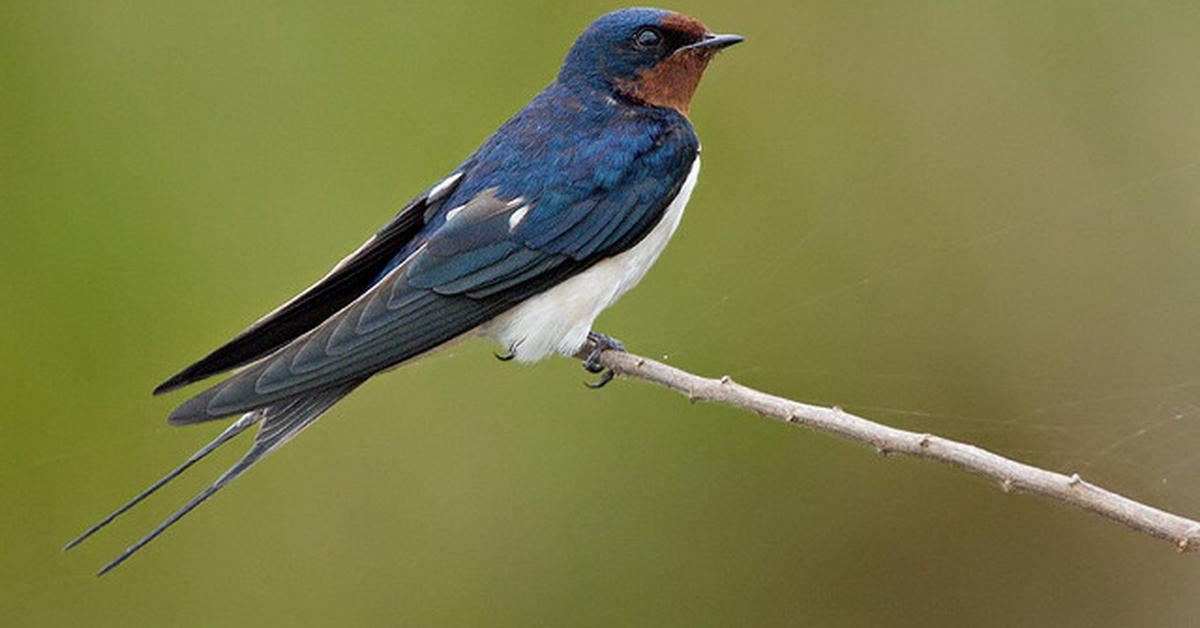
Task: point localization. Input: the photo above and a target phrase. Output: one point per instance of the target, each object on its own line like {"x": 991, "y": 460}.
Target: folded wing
{"x": 347, "y": 281}
{"x": 477, "y": 259}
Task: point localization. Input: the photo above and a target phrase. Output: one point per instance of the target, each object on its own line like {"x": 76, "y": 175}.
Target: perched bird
{"x": 550, "y": 221}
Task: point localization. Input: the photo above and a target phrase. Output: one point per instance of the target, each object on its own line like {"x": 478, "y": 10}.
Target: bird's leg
{"x": 591, "y": 362}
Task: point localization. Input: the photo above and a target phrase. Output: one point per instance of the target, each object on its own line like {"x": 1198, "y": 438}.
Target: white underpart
{"x": 559, "y": 319}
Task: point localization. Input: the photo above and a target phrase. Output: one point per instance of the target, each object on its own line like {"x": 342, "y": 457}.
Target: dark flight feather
{"x": 347, "y": 281}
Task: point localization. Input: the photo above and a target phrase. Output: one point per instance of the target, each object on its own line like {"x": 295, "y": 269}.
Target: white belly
{"x": 559, "y": 319}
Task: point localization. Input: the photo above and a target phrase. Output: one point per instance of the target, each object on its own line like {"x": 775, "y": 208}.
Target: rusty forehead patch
{"x": 683, "y": 23}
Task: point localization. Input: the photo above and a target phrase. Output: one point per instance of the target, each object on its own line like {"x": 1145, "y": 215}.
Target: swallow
{"x": 554, "y": 217}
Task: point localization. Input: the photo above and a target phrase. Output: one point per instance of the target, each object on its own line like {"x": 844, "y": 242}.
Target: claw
{"x": 509, "y": 355}
{"x": 602, "y": 382}
{"x": 591, "y": 362}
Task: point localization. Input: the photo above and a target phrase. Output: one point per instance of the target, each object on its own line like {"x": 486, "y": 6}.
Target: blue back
{"x": 586, "y": 164}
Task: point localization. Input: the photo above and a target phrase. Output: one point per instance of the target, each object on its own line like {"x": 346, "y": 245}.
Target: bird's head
{"x": 648, "y": 56}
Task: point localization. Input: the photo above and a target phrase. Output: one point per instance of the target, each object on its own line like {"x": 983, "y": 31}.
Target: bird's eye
{"x": 647, "y": 37}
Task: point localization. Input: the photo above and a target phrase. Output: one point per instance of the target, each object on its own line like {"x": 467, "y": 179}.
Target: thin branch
{"x": 1012, "y": 476}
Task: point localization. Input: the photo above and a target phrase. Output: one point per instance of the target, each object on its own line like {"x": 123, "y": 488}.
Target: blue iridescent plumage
{"x": 573, "y": 182}
{"x": 637, "y": 165}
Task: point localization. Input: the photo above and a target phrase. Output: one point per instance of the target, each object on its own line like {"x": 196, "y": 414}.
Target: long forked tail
{"x": 280, "y": 423}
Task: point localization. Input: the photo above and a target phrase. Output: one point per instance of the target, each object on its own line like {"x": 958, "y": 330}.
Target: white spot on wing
{"x": 516, "y": 218}
{"x": 440, "y": 189}
{"x": 452, "y": 214}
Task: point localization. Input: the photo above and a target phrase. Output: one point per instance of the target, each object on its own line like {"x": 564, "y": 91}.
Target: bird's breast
{"x": 559, "y": 319}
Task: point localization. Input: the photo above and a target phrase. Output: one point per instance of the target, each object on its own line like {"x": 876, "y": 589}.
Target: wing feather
{"x": 469, "y": 265}
{"x": 348, "y": 280}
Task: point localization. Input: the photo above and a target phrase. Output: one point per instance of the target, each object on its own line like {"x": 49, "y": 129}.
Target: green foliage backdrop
{"x": 973, "y": 218}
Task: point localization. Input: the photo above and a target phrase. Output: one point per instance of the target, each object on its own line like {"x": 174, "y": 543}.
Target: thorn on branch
{"x": 1007, "y": 485}
{"x": 1075, "y": 479}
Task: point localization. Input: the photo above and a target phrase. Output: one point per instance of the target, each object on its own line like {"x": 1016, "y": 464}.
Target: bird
{"x": 552, "y": 219}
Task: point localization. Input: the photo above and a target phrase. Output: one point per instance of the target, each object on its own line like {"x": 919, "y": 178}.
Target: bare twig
{"x": 1012, "y": 476}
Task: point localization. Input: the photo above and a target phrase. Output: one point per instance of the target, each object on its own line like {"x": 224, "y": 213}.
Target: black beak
{"x": 715, "y": 42}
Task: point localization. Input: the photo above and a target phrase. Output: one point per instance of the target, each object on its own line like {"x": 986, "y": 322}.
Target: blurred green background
{"x": 978, "y": 219}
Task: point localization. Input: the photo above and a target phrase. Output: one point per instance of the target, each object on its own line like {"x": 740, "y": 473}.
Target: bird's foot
{"x": 591, "y": 362}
